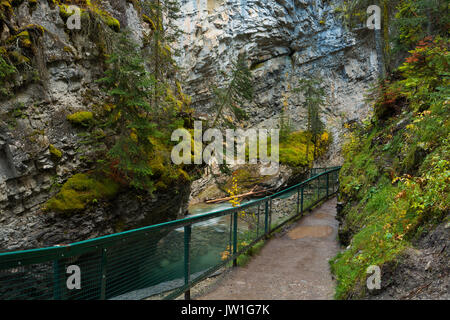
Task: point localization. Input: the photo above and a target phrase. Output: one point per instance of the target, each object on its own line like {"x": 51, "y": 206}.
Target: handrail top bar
{"x": 333, "y": 169}
{"x": 174, "y": 223}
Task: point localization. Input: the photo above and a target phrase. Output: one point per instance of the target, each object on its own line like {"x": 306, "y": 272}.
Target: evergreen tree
{"x": 162, "y": 16}
{"x": 314, "y": 98}
{"x": 237, "y": 92}
{"x": 140, "y": 127}
{"x": 148, "y": 101}
{"x": 128, "y": 85}
{"x": 417, "y": 19}
{"x": 285, "y": 119}
{"x": 404, "y": 23}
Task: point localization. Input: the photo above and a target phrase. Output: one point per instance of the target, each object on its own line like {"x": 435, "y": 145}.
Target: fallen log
{"x": 244, "y": 195}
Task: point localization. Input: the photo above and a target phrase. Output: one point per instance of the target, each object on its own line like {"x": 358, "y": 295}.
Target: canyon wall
{"x": 285, "y": 40}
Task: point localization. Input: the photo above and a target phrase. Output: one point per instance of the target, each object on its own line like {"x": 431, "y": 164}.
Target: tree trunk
{"x": 380, "y": 57}
{"x": 386, "y": 40}
{"x": 157, "y": 37}
{"x": 308, "y": 130}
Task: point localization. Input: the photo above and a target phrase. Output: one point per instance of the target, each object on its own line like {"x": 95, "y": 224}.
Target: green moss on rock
{"x": 83, "y": 118}
{"x": 111, "y": 22}
{"x": 55, "y": 151}
{"x": 86, "y": 7}
{"x": 79, "y": 191}
{"x": 293, "y": 151}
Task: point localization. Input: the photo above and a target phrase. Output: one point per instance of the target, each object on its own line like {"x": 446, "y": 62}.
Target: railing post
{"x": 328, "y": 183}
{"x": 187, "y": 260}
{"x": 301, "y": 202}
{"x": 56, "y": 280}
{"x": 266, "y": 218}
{"x": 336, "y": 181}
{"x": 298, "y": 201}
{"x": 270, "y": 215}
{"x": 235, "y": 240}
{"x": 257, "y": 224}
{"x": 318, "y": 188}
{"x": 332, "y": 182}
{"x": 103, "y": 279}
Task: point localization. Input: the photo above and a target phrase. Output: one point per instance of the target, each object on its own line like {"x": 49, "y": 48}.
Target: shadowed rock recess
{"x": 39, "y": 148}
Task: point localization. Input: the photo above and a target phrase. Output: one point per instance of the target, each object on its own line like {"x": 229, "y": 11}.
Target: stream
{"x": 209, "y": 239}
{"x": 164, "y": 269}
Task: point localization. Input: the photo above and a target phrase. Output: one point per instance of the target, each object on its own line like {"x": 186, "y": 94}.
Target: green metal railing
{"x": 161, "y": 261}
{"x": 316, "y": 171}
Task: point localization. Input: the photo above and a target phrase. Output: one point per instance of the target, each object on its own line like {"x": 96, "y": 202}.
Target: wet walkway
{"x": 293, "y": 265}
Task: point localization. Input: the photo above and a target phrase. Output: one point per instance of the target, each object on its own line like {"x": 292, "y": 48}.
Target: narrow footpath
{"x": 293, "y": 265}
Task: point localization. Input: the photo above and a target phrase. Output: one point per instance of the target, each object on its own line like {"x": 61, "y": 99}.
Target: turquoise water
{"x": 209, "y": 239}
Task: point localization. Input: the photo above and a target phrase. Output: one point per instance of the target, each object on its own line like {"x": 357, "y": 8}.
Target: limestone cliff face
{"x": 284, "y": 39}
{"x": 65, "y": 64}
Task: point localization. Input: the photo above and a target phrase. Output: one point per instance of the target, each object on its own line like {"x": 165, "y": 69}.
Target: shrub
{"x": 396, "y": 175}
{"x": 6, "y": 70}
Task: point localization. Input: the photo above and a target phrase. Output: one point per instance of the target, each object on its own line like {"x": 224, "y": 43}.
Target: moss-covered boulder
{"x": 81, "y": 190}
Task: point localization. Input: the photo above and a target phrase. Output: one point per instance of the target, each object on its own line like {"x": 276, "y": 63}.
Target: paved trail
{"x": 293, "y": 265}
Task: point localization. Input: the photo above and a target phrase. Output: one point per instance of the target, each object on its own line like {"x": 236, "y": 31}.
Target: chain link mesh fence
{"x": 161, "y": 261}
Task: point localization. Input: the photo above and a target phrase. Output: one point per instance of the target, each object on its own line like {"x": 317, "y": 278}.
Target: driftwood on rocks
{"x": 251, "y": 193}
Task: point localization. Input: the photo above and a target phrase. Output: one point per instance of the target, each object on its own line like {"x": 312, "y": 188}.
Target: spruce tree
{"x": 162, "y": 16}
{"x": 285, "y": 119}
{"x": 417, "y": 19}
{"x": 404, "y": 23}
{"x": 128, "y": 85}
{"x": 238, "y": 91}
{"x": 314, "y": 99}
{"x": 142, "y": 129}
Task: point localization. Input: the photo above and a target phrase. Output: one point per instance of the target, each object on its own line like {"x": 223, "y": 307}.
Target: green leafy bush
{"x": 396, "y": 175}
{"x": 6, "y": 71}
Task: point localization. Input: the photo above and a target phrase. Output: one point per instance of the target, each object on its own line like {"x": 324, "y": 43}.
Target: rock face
{"x": 284, "y": 40}
{"x": 124, "y": 213}
{"x": 422, "y": 272}
{"x": 67, "y": 64}
{"x": 213, "y": 185}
